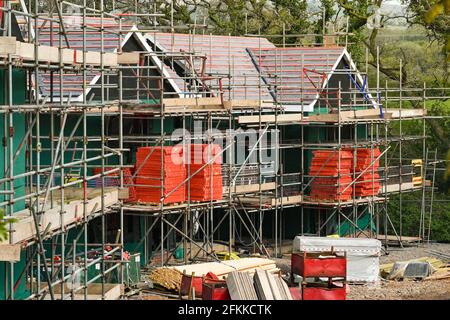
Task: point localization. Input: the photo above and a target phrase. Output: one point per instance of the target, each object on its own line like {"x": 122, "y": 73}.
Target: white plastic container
{"x": 363, "y": 255}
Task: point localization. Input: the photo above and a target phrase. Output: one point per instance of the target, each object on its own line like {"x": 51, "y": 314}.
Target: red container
{"x": 215, "y": 290}
{"x": 322, "y": 293}
{"x": 197, "y": 283}
{"x": 308, "y": 264}
{"x": 296, "y": 293}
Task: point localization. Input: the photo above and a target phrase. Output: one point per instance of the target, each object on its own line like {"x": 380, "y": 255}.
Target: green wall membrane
{"x": 134, "y": 230}
{"x": 93, "y": 129}
{"x": 21, "y": 291}
{"x": 19, "y": 97}
{"x": 292, "y": 163}
{"x": 364, "y": 223}
{"x": 19, "y": 163}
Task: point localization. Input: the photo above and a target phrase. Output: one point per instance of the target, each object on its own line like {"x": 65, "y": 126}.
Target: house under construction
{"x": 93, "y": 107}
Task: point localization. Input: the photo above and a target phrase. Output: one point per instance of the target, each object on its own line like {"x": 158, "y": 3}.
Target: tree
{"x": 235, "y": 17}
{"x": 434, "y": 16}
{"x": 3, "y": 230}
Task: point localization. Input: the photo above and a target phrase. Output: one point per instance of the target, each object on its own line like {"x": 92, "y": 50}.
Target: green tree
{"x": 434, "y": 16}
{"x": 3, "y": 229}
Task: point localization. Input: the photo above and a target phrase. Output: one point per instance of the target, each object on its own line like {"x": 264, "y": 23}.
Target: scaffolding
{"x": 98, "y": 88}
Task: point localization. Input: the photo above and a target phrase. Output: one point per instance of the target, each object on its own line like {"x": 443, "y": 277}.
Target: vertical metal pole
{"x": 400, "y": 150}
{"x": 103, "y": 142}
{"x": 84, "y": 157}
{"x": 10, "y": 114}
{"x": 62, "y": 152}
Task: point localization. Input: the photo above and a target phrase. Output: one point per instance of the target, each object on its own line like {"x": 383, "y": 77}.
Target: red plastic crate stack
{"x": 149, "y": 175}
{"x": 332, "y": 175}
{"x": 368, "y": 183}
{"x": 209, "y": 176}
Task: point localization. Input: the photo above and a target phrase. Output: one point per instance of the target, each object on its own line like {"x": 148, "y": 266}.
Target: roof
{"x": 224, "y": 55}
{"x": 48, "y": 34}
{"x": 294, "y": 77}
{"x": 295, "y": 74}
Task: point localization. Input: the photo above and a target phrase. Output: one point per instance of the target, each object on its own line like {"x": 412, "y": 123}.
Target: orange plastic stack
{"x": 332, "y": 171}
{"x": 206, "y": 185}
{"x": 368, "y": 183}
{"x": 149, "y": 180}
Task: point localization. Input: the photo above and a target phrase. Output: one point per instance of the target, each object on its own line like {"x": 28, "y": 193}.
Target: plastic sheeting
{"x": 363, "y": 264}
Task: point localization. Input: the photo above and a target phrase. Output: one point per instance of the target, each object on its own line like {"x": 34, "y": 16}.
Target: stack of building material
{"x": 240, "y": 286}
{"x": 167, "y": 278}
{"x": 362, "y": 254}
{"x": 270, "y": 287}
{"x": 206, "y": 185}
{"x": 368, "y": 183}
{"x": 331, "y": 174}
{"x": 150, "y": 180}
{"x": 223, "y": 268}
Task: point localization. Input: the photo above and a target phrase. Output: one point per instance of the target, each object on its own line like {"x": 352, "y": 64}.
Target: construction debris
{"x": 424, "y": 268}
{"x": 410, "y": 269}
{"x": 170, "y": 278}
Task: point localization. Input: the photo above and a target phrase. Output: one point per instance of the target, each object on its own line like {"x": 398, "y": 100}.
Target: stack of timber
{"x": 24, "y": 227}
{"x": 270, "y": 287}
{"x": 207, "y": 104}
{"x": 223, "y": 268}
{"x": 167, "y": 278}
{"x": 240, "y": 286}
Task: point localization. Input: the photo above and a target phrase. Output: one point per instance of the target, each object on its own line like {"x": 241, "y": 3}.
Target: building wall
{"x": 19, "y": 97}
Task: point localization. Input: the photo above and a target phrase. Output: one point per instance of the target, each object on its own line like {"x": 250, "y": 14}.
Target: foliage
{"x": 234, "y": 17}
{"x": 3, "y": 228}
{"x": 411, "y": 213}
{"x": 435, "y": 17}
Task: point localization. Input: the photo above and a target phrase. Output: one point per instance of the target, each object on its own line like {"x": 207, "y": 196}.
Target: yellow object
{"x": 385, "y": 269}
{"x": 333, "y": 236}
{"x": 417, "y": 177}
{"x": 223, "y": 255}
